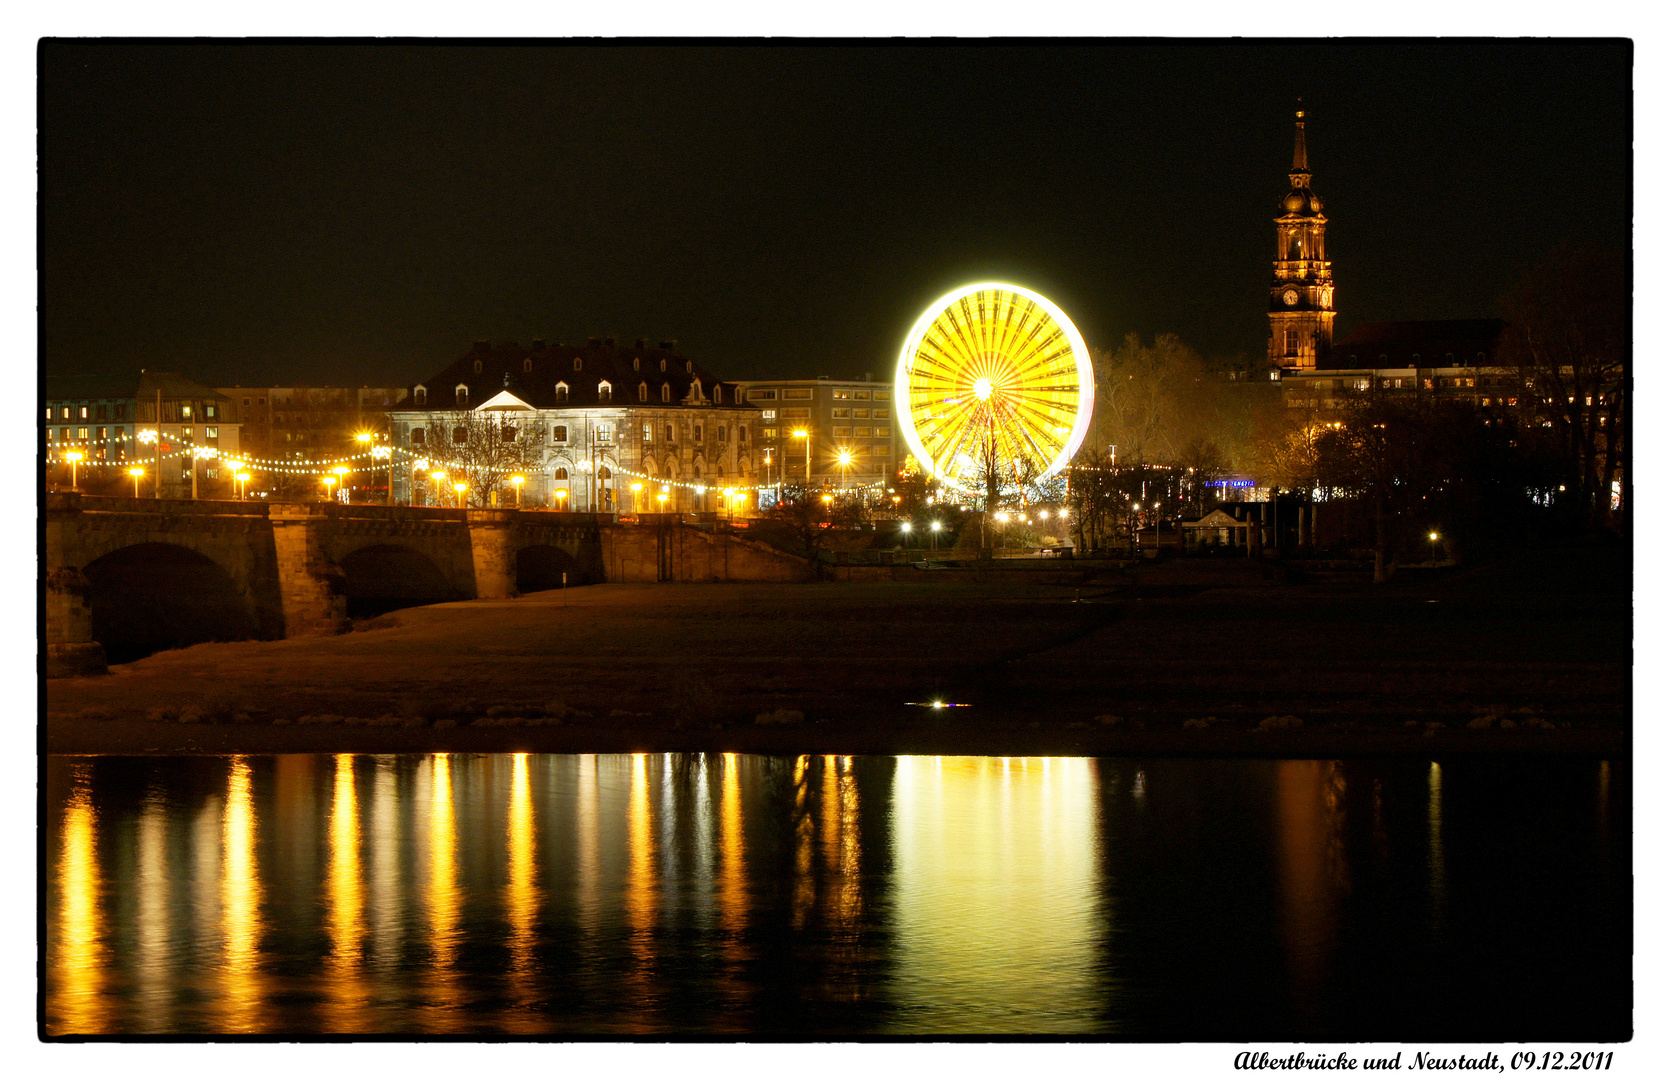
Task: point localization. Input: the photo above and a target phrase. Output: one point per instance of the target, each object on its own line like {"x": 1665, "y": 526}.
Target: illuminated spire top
{"x": 1301, "y": 163}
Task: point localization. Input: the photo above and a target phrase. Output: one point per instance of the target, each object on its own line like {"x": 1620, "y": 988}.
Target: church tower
{"x": 1302, "y": 289}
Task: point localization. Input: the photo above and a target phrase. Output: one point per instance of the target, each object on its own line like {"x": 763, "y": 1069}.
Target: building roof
{"x": 1433, "y": 341}
{"x": 532, "y": 372}
{"x": 140, "y": 385}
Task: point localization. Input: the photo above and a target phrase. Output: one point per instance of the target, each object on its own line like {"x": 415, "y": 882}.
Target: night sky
{"x": 345, "y": 214}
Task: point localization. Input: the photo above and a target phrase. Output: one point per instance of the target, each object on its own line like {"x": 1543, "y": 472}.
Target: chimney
{"x": 670, "y": 344}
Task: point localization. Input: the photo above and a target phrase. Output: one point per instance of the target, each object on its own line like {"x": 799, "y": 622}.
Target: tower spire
{"x": 1301, "y": 163}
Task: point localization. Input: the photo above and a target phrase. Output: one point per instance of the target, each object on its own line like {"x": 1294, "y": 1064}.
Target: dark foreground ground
{"x": 1529, "y": 654}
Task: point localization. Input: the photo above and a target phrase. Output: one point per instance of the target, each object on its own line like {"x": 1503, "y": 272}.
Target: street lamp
{"x": 1156, "y": 530}
{"x": 933, "y": 541}
{"x": 562, "y": 498}
{"x": 329, "y": 481}
{"x": 637, "y": 487}
{"x": 802, "y": 433}
{"x": 341, "y": 472}
{"x": 517, "y": 481}
{"x": 460, "y": 487}
{"x": 74, "y": 458}
{"x": 136, "y": 472}
{"x": 662, "y": 499}
{"x": 844, "y": 458}
{"x": 243, "y": 486}
{"x": 1432, "y": 546}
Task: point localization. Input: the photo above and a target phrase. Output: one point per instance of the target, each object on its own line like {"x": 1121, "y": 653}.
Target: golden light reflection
{"x": 521, "y": 891}
{"x": 155, "y": 1012}
{"x": 1435, "y": 837}
{"x": 387, "y": 900}
{"x": 78, "y": 945}
{"x": 344, "y": 907}
{"x": 1307, "y": 806}
{"x": 733, "y": 888}
{"x": 992, "y": 890}
{"x": 805, "y": 889}
{"x": 240, "y": 908}
{"x": 640, "y": 897}
{"x": 586, "y": 885}
{"x": 443, "y": 898}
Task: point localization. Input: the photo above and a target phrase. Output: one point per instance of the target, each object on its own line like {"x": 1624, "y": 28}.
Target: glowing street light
{"x": 933, "y": 540}
{"x": 74, "y": 457}
{"x": 517, "y": 482}
{"x": 637, "y": 488}
{"x": 662, "y": 499}
{"x": 1432, "y": 546}
{"x": 385, "y": 453}
{"x": 330, "y": 482}
{"x": 843, "y": 456}
{"x": 460, "y": 487}
{"x": 562, "y": 497}
{"x": 136, "y": 472}
{"x": 243, "y": 486}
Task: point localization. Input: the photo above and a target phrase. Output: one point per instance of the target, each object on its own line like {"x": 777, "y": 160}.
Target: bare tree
{"x": 481, "y": 450}
{"x": 1569, "y": 335}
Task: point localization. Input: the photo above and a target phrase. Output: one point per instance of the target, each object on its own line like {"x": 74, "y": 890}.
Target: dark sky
{"x": 350, "y": 214}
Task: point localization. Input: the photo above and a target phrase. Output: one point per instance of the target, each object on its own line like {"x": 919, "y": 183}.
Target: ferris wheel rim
{"x": 1081, "y": 363}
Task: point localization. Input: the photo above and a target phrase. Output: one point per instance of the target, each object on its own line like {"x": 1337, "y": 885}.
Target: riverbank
{"x": 1512, "y": 657}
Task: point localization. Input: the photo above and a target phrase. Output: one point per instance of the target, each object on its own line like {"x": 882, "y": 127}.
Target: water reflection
{"x": 657, "y": 895}
{"x": 344, "y": 921}
{"x": 995, "y": 897}
{"x": 443, "y": 896}
{"x": 78, "y": 949}
{"x": 240, "y": 906}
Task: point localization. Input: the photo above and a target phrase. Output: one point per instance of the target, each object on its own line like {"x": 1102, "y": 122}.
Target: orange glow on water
{"x": 345, "y": 905}
{"x": 521, "y": 891}
{"x": 78, "y": 946}
{"x": 240, "y": 907}
{"x": 443, "y": 897}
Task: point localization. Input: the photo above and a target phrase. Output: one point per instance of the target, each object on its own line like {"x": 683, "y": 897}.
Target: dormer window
{"x": 736, "y": 395}
{"x": 603, "y": 391}
{"x": 461, "y": 394}
{"x": 635, "y": 362}
{"x": 663, "y": 365}
{"x": 478, "y": 367}
{"x": 576, "y": 363}
{"x": 689, "y": 366}
{"x": 643, "y": 391}
{"x": 420, "y": 394}
{"x": 562, "y": 393}
{"x": 666, "y": 392}
{"x": 527, "y": 363}
{"x": 718, "y": 394}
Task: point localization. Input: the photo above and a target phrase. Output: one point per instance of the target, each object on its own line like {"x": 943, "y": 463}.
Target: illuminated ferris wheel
{"x": 994, "y": 376}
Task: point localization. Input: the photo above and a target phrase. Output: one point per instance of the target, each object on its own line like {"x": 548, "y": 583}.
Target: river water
{"x": 736, "y": 896}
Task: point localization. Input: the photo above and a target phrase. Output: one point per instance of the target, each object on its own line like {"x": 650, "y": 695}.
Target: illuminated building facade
{"x": 101, "y": 416}
{"x": 310, "y": 423}
{"x": 605, "y": 415}
{"x": 851, "y": 415}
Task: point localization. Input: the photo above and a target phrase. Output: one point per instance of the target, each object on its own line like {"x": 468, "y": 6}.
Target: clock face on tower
{"x": 1290, "y": 297}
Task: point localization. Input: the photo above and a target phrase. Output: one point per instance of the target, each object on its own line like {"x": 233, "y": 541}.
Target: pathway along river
{"x": 735, "y": 896}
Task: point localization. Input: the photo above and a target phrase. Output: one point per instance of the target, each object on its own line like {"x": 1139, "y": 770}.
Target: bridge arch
{"x": 384, "y": 577}
{"x": 541, "y": 566}
{"x": 151, "y": 596}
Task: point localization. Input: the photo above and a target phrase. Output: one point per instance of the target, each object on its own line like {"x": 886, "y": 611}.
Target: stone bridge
{"x": 125, "y": 577}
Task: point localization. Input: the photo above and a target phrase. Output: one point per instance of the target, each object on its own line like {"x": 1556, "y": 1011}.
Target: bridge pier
{"x": 310, "y": 585}
{"x": 70, "y": 648}
{"x": 493, "y": 552}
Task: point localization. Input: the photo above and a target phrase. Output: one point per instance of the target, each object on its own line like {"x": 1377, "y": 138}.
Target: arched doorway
{"x": 387, "y": 577}
{"x": 150, "y": 597}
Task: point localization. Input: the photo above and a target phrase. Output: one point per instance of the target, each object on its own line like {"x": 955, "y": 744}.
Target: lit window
{"x": 840, "y": 414}
{"x": 81, "y": 434}
{"x": 881, "y": 395}
{"x": 84, "y": 412}
{"x": 861, "y": 395}
{"x": 461, "y": 394}
{"x": 49, "y": 412}
{"x": 881, "y": 414}
{"x": 419, "y": 394}
{"x": 649, "y": 432}
{"x": 762, "y": 395}
{"x": 603, "y": 392}
{"x": 768, "y": 414}
{"x": 884, "y": 433}
{"x": 843, "y": 395}
{"x": 210, "y": 434}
